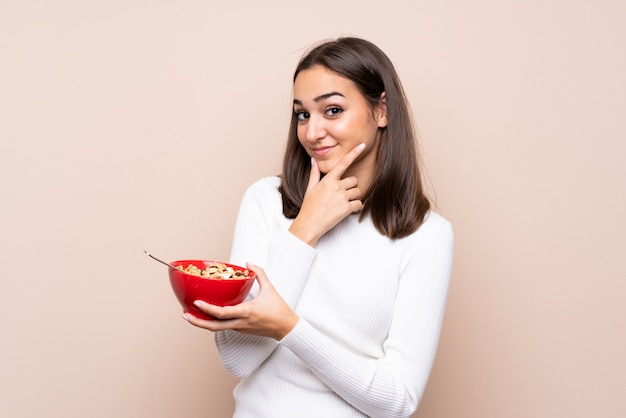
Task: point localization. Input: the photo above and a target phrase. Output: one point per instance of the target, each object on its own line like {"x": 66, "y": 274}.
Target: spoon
{"x": 160, "y": 261}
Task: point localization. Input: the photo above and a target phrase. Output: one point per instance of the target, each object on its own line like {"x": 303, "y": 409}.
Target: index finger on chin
{"x": 346, "y": 161}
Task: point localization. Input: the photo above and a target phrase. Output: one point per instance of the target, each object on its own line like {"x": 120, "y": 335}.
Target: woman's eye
{"x": 333, "y": 111}
{"x": 301, "y": 115}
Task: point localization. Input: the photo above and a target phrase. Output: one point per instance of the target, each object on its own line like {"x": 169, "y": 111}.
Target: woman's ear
{"x": 381, "y": 111}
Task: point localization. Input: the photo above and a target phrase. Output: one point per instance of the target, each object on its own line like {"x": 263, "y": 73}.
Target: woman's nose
{"x": 315, "y": 129}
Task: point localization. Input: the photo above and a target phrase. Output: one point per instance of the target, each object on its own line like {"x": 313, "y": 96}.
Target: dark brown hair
{"x": 395, "y": 200}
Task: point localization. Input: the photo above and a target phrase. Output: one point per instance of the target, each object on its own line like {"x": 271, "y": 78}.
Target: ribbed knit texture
{"x": 370, "y": 312}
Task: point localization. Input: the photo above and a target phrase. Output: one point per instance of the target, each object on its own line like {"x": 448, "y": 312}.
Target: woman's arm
{"x": 390, "y": 386}
{"x": 285, "y": 255}
{"x": 261, "y": 237}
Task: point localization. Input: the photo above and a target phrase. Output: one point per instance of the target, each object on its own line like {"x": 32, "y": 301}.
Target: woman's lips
{"x": 321, "y": 151}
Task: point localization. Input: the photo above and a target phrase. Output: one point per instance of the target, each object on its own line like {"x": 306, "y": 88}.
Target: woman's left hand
{"x": 266, "y": 315}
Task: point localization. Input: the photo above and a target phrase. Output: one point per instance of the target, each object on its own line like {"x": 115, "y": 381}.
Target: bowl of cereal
{"x": 214, "y": 282}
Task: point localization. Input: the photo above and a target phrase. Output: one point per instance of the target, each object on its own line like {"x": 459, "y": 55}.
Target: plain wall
{"x": 137, "y": 124}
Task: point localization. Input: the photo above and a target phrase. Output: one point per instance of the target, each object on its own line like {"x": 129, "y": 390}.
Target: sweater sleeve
{"x": 392, "y": 385}
{"x": 262, "y": 237}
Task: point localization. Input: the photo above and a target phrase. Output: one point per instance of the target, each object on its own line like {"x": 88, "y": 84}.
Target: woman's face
{"x": 334, "y": 117}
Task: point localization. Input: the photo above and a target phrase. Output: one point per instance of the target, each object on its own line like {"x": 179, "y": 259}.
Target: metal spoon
{"x": 160, "y": 261}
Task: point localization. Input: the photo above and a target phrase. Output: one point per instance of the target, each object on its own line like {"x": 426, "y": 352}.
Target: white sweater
{"x": 370, "y": 312}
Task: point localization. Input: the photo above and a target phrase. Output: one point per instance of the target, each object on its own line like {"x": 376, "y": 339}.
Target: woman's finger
{"x": 349, "y": 183}
{"x": 261, "y": 277}
{"x": 353, "y": 194}
{"x": 221, "y": 312}
{"x": 346, "y": 161}
{"x": 211, "y": 325}
{"x": 314, "y": 175}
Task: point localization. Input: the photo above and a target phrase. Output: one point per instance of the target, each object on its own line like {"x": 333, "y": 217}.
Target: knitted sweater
{"x": 370, "y": 310}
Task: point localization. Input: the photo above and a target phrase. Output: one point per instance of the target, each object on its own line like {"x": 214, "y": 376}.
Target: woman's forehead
{"x": 318, "y": 82}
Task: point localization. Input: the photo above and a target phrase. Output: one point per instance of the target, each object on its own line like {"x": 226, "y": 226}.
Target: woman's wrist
{"x": 287, "y": 326}
{"x": 303, "y": 233}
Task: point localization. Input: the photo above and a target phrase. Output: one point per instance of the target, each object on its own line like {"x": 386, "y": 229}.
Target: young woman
{"x": 345, "y": 318}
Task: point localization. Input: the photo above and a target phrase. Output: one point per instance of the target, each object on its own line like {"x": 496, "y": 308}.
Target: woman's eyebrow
{"x": 320, "y": 97}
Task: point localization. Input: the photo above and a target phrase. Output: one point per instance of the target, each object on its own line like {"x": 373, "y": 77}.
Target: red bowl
{"x": 222, "y": 292}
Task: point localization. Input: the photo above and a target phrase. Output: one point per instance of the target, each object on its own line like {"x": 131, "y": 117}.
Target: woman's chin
{"x": 326, "y": 166}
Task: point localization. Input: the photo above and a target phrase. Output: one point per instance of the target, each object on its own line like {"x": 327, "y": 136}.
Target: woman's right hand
{"x": 327, "y": 200}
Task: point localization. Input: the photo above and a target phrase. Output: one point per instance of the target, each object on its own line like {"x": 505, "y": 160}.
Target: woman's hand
{"x": 328, "y": 200}
{"x": 266, "y": 315}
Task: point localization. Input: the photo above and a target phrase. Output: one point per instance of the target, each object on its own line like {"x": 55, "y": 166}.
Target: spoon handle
{"x": 160, "y": 261}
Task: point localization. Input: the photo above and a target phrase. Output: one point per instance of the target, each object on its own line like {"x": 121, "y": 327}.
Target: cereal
{"x": 215, "y": 271}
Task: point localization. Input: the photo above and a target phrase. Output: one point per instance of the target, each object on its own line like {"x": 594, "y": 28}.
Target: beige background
{"x": 138, "y": 124}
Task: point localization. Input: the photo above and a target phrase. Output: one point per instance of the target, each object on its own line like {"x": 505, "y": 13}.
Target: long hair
{"x": 395, "y": 200}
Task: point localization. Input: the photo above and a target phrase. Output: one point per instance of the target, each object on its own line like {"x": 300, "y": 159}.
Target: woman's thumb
{"x": 314, "y": 175}
{"x": 259, "y": 272}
